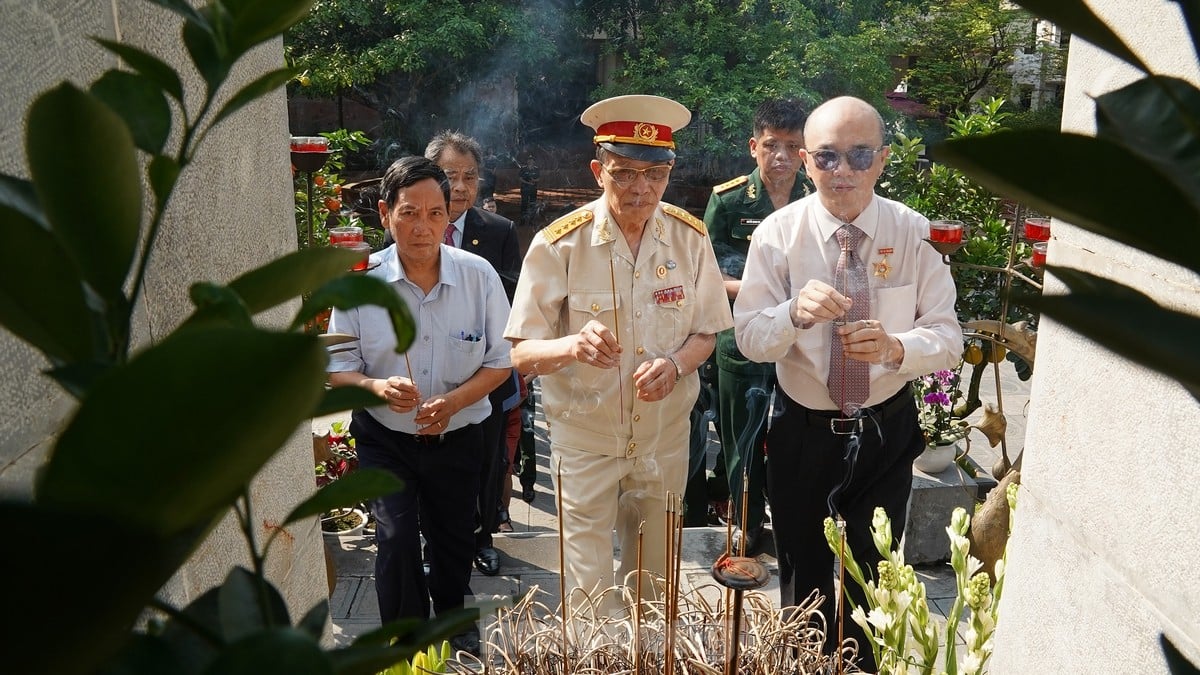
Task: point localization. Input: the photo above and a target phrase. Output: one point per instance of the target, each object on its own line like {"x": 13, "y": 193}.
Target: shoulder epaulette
{"x": 693, "y": 221}
{"x": 565, "y": 225}
{"x": 730, "y": 184}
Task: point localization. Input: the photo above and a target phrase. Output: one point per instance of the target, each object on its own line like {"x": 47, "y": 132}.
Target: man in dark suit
{"x": 493, "y": 238}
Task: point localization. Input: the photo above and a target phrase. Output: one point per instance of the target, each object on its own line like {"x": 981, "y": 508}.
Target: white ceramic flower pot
{"x": 358, "y": 516}
{"x": 936, "y": 458}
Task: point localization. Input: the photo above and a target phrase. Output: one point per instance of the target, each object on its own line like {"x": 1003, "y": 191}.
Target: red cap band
{"x": 638, "y": 133}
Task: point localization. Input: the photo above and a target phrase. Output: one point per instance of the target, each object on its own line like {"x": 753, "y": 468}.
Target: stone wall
{"x": 1104, "y": 555}
{"x": 232, "y": 211}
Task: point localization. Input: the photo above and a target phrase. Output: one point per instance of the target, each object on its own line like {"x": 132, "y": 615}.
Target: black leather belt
{"x": 838, "y": 423}
{"x": 434, "y": 439}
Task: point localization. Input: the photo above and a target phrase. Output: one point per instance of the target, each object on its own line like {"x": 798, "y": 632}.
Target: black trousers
{"x": 493, "y": 471}
{"x": 805, "y": 465}
{"x": 441, "y": 479}
{"x": 527, "y": 446}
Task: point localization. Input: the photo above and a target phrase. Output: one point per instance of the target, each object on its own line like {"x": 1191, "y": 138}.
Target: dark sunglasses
{"x": 859, "y": 159}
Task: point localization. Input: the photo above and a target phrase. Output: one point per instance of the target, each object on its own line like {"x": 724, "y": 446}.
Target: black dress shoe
{"x": 487, "y": 561}
{"x": 466, "y": 642}
{"x": 527, "y": 494}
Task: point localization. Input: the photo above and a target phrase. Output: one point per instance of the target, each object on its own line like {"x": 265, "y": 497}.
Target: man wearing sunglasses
{"x": 618, "y": 305}
{"x": 735, "y": 209}
{"x": 843, "y": 295}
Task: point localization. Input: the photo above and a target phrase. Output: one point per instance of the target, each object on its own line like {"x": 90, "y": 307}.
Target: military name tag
{"x": 745, "y": 228}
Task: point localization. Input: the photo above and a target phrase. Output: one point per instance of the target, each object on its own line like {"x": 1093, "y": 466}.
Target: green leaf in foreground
{"x": 1149, "y": 334}
{"x": 355, "y": 290}
{"x": 81, "y": 153}
{"x": 338, "y": 399}
{"x": 291, "y": 276}
{"x": 172, "y": 477}
{"x": 41, "y": 295}
{"x": 1093, "y": 195}
{"x": 352, "y": 488}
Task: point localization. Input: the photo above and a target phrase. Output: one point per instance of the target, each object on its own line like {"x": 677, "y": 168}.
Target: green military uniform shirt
{"x": 735, "y": 208}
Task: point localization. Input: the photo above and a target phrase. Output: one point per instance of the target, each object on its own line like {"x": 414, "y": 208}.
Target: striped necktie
{"x": 849, "y": 380}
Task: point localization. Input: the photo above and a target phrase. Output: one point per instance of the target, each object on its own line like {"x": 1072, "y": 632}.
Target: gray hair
{"x": 456, "y": 141}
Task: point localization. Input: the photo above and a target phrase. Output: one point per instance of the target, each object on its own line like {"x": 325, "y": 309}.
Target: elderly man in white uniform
{"x": 618, "y": 305}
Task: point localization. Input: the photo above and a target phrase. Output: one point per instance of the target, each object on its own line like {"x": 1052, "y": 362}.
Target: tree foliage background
{"x": 517, "y": 74}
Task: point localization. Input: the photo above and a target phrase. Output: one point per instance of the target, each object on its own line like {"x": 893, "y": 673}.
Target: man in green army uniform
{"x": 735, "y": 208}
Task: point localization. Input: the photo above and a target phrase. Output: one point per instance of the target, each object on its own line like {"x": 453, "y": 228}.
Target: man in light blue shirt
{"x": 433, "y": 398}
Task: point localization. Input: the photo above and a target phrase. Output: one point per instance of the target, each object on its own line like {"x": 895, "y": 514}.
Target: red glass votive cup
{"x": 1039, "y": 254}
{"x": 345, "y": 234}
{"x": 1037, "y": 229}
{"x": 360, "y": 247}
{"x": 946, "y": 231}
{"x": 310, "y": 144}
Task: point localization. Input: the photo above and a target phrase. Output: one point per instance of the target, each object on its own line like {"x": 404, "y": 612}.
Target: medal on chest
{"x": 882, "y": 268}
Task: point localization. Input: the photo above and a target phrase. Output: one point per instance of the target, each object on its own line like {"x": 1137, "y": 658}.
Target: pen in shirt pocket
{"x": 468, "y": 337}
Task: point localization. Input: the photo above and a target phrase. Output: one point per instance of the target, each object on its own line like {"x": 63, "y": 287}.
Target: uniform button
{"x": 679, "y": 303}
{"x": 595, "y": 307}
{"x": 632, "y": 446}
{"x": 640, "y": 351}
{"x": 637, "y": 275}
{"x": 426, "y": 338}
{"x": 638, "y": 314}
{"x": 425, "y": 372}
{"x": 637, "y": 418}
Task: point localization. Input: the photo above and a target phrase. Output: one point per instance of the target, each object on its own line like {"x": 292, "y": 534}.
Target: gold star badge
{"x": 881, "y": 269}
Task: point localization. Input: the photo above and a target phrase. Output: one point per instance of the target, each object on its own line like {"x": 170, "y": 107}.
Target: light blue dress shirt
{"x": 460, "y": 329}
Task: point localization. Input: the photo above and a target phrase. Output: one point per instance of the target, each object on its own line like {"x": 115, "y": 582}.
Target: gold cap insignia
{"x": 645, "y": 132}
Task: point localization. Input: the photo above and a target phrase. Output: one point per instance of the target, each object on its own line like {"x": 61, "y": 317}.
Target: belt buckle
{"x": 855, "y": 426}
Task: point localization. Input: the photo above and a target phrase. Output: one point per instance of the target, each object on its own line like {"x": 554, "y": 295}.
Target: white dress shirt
{"x": 460, "y": 329}
{"x": 912, "y": 296}
{"x": 459, "y": 224}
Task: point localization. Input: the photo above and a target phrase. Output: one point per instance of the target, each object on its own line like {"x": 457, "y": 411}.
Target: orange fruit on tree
{"x": 333, "y": 204}
{"x": 319, "y": 180}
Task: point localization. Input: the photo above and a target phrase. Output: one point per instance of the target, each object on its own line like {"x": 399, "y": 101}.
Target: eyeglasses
{"x": 467, "y": 176}
{"x": 624, "y": 176}
{"x": 859, "y": 159}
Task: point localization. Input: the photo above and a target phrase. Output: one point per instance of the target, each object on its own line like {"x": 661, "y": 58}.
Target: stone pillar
{"x": 231, "y": 212}
{"x": 1104, "y": 553}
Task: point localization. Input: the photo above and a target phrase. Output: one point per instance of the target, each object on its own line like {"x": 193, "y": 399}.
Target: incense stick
{"x": 612, "y": 285}
{"x": 562, "y": 570}
{"x": 841, "y": 603}
{"x": 637, "y": 607}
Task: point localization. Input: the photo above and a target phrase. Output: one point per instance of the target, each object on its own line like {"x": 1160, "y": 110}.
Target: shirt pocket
{"x": 671, "y": 320}
{"x": 895, "y": 307}
{"x": 588, "y": 305}
{"x": 463, "y": 359}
